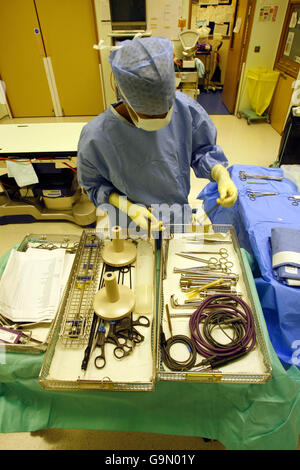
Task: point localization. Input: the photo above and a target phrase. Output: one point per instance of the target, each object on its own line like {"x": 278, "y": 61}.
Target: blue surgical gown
{"x": 149, "y": 168}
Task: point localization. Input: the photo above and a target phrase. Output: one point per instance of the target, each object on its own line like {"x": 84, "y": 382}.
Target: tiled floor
{"x": 256, "y": 144}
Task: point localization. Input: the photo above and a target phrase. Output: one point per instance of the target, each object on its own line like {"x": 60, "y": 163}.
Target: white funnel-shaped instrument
{"x": 119, "y": 252}
{"x": 113, "y": 301}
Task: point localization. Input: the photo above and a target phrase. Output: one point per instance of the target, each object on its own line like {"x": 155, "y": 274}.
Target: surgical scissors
{"x": 252, "y": 195}
{"x": 243, "y": 176}
{"x": 295, "y": 199}
{"x": 212, "y": 263}
{"x": 125, "y": 328}
{"x": 122, "y": 348}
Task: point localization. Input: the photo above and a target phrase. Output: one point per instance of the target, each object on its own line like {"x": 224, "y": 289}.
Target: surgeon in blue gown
{"x": 137, "y": 155}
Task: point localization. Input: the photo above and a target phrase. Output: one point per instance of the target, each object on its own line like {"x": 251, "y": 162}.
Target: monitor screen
{"x": 128, "y": 11}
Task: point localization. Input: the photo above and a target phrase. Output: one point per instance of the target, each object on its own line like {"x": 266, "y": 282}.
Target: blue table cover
{"x": 253, "y": 221}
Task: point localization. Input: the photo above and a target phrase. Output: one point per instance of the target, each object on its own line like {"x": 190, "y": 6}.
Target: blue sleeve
{"x": 92, "y": 173}
{"x": 206, "y": 154}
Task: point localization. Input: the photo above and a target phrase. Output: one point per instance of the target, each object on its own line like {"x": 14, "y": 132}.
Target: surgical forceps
{"x": 125, "y": 328}
{"x": 100, "y": 360}
{"x": 295, "y": 199}
{"x": 222, "y": 252}
{"x": 252, "y": 195}
{"x": 52, "y": 246}
{"x": 121, "y": 333}
{"x": 244, "y": 176}
{"x": 212, "y": 263}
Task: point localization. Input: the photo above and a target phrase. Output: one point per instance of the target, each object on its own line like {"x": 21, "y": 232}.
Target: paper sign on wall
{"x": 293, "y": 21}
{"x": 238, "y": 25}
{"x": 288, "y": 44}
{"x": 268, "y": 13}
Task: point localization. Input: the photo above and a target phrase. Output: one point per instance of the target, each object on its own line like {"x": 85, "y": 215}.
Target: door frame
{"x": 251, "y": 5}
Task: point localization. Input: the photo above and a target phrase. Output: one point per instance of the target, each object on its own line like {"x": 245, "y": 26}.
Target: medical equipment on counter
{"x": 50, "y": 149}
{"x": 187, "y": 74}
{"x": 119, "y": 252}
{"x": 189, "y": 39}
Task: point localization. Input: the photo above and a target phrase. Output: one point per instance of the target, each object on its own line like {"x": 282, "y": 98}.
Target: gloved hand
{"x": 139, "y": 214}
{"x": 226, "y": 187}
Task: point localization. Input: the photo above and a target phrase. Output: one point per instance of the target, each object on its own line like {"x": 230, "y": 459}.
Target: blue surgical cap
{"x": 144, "y": 71}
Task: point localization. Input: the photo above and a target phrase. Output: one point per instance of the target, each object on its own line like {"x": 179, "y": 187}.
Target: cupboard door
{"x": 21, "y": 60}
{"x": 69, "y": 32}
{"x": 237, "y": 52}
{"x": 281, "y": 101}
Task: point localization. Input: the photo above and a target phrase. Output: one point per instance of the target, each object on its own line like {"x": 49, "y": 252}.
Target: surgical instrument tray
{"x": 188, "y": 286}
{"x": 89, "y": 352}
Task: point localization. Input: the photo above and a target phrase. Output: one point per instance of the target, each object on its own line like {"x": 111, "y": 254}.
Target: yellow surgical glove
{"x": 226, "y": 187}
{"x": 139, "y": 214}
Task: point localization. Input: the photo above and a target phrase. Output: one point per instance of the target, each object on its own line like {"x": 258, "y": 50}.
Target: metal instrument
{"x": 222, "y": 252}
{"x": 256, "y": 182}
{"x": 255, "y": 194}
{"x": 295, "y": 199}
{"x": 126, "y": 328}
{"x": 204, "y": 271}
{"x": 122, "y": 346}
{"x": 192, "y": 303}
{"x": 206, "y": 241}
{"x": 100, "y": 360}
{"x": 212, "y": 263}
{"x": 122, "y": 334}
{"x": 243, "y": 176}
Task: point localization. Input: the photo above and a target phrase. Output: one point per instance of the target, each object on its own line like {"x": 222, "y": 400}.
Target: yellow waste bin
{"x": 261, "y": 83}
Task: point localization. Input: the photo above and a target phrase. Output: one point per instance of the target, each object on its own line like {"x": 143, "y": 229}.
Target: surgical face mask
{"x": 152, "y": 124}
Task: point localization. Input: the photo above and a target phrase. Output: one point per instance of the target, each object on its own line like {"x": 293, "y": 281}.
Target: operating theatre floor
{"x": 257, "y": 144}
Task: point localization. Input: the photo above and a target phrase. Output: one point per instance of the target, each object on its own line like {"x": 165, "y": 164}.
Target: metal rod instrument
{"x": 243, "y": 176}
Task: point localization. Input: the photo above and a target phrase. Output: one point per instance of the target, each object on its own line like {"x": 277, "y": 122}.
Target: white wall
{"x": 104, "y": 30}
{"x": 266, "y": 35}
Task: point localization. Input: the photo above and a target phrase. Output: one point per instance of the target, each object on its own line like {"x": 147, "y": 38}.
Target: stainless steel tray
{"x": 254, "y": 367}
{"x": 62, "y": 365}
{"x": 41, "y": 331}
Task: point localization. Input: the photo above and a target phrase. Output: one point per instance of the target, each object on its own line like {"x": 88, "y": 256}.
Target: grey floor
{"x": 76, "y": 439}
